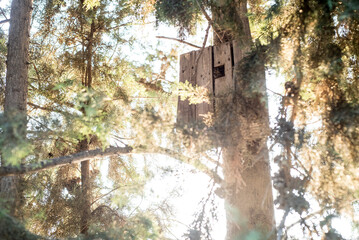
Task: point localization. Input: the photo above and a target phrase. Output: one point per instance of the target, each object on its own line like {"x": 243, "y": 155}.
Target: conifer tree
{"x": 14, "y": 146}
{"x": 314, "y": 45}
{"x": 247, "y": 183}
{"x": 80, "y": 90}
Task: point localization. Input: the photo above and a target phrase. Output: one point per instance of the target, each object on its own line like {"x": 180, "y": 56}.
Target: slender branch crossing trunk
{"x": 69, "y": 159}
{"x": 15, "y": 94}
{"x": 248, "y": 188}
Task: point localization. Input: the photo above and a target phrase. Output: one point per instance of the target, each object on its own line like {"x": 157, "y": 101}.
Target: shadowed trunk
{"x": 248, "y": 189}
{"x": 15, "y": 95}
{"x": 85, "y": 189}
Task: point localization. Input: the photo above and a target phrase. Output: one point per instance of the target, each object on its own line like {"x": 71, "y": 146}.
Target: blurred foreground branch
{"x": 64, "y": 160}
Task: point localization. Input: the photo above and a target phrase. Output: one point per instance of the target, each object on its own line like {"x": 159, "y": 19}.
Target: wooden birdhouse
{"x": 213, "y": 69}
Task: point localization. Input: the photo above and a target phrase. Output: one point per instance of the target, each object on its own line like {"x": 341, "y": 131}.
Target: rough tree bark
{"x": 86, "y": 190}
{"x": 248, "y": 188}
{"x": 16, "y": 92}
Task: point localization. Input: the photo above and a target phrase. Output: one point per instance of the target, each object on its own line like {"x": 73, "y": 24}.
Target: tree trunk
{"x": 84, "y": 144}
{"x": 85, "y": 189}
{"x": 16, "y": 93}
{"x": 86, "y": 195}
{"x": 248, "y": 188}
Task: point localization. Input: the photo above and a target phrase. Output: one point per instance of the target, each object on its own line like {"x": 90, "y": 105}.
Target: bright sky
{"x": 193, "y": 185}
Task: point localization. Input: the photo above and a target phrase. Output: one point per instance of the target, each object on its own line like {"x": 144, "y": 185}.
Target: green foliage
{"x": 194, "y": 94}
{"x": 14, "y": 148}
{"x": 314, "y": 44}
{"x": 66, "y": 109}
{"x": 12, "y": 229}
{"x": 90, "y": 4}
{"x": 182, "y": 14}
{"x": 316, "y": 126}
{"x": 142, "y": 228}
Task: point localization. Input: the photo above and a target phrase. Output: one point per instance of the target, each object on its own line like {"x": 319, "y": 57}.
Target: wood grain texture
{"x": 186, "y": 113}
{"x": 224, "y": 86}
{"x": 204, "y": 79}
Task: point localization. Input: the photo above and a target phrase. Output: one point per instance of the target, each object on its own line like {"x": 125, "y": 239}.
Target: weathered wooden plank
{"x": 220, "y": 88}
{"x": 192, "y": 80}
{"x": 181, "y": 106}
{"x": 223, "y": 79}
{"x": 219, "y": 69}
{"x": 204, "y": 79}
{"x": 186, "y": 113}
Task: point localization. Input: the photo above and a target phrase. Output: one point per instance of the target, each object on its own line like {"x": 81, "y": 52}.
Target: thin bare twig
{"x": 282, "y": 224}
{"x": 305, "y": 218}
{"x": 104, "y": 195}
{"x": 37, "y": 72}
{"x": 189, "y": 160}
{"x": 210, "y": 21}
{"x": 4, "y": 21}
{"x": 2, "y": 11}
{"x": 275, "y": 92}
{"x": 206, "y": 36}
{"x": 179, "y": 40}
{"x": 300, "y": 163}
{"x": 49, "y": 109}
{"x": 202, "y": 49}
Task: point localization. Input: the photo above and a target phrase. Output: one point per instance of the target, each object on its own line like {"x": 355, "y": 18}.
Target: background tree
{"x": 13, "y": 140}
{"x": 88, "y": 80}
{"x": 80, "y": 89}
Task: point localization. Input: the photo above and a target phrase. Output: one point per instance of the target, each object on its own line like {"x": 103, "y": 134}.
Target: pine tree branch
{"x": 179, "y": 40}
{"x": 98, "y": 153}
{"x": 106, "y": 194}
{"x": 3, "y": 13}
{"x": 4, "y": 21}
{"x": 64, "y": 160}
{"x": 48, "y": 109}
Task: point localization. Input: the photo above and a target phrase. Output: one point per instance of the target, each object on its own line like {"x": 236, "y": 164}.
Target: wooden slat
{"x": 186, "y": 113}
{"x": 223, "y": 85}
{"x": 204, "y": 79}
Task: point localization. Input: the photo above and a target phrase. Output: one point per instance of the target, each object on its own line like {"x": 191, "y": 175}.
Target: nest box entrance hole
{"x": 219, "y": 72}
